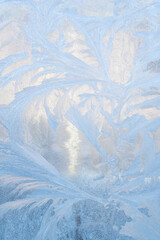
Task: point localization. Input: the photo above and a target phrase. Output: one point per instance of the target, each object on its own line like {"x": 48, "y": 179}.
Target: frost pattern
{"x": 79, "y": 120}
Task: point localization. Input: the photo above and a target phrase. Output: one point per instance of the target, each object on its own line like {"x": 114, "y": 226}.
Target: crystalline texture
{"x": 79, "y": 120}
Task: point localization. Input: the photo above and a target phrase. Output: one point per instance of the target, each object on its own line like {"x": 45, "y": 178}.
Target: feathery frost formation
{"x": 79, "y": 120}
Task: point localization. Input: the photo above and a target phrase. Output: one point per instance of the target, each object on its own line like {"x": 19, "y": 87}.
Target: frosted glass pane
{"x": 79, "y": 120}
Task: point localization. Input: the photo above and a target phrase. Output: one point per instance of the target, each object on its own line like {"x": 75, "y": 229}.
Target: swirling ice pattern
{"x": 79, "y": 120}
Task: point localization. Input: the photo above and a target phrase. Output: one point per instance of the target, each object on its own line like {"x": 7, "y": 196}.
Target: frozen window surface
{"x": 79, "y": 120}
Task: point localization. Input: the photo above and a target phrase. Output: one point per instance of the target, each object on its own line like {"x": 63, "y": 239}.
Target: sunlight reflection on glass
{"x": 72, "y": 145}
